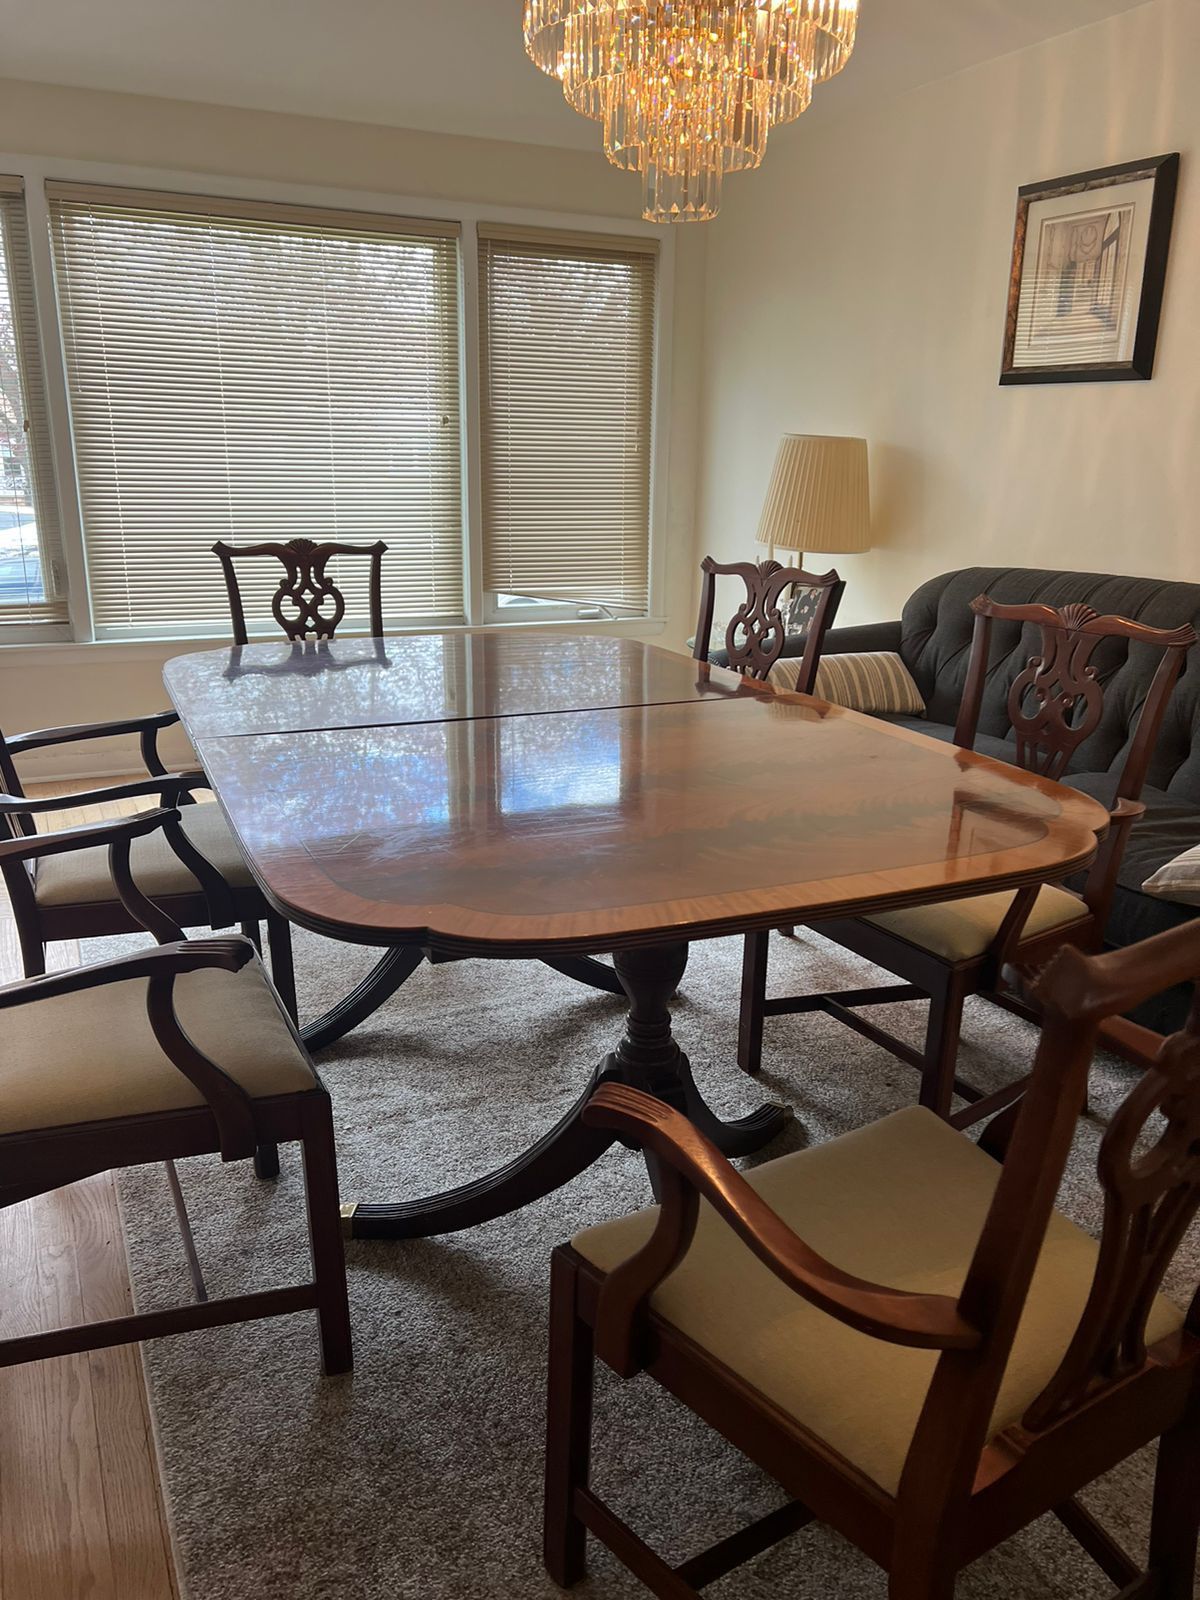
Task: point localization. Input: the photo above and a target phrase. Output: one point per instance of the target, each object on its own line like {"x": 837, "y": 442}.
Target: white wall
{"x": 50, "y": 685}
{"x": 857, "y": 284}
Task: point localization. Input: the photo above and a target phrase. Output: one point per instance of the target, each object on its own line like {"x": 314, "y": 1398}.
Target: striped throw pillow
{"x": 1179, "y": 880}
{"x": 878, "y": 681}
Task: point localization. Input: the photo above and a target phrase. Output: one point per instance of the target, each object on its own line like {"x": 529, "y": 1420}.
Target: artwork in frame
{"x": 1088, "y": 269}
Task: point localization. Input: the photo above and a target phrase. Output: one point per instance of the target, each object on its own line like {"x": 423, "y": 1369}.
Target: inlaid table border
{"x": 353, "y": 919}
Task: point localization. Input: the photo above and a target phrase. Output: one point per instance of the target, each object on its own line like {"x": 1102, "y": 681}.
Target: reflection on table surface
{"x": 664, "y": 815}
{"x": 276, "y": 688}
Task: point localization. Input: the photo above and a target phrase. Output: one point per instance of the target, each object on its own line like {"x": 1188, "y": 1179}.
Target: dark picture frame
{"x": 1075, "y": 275}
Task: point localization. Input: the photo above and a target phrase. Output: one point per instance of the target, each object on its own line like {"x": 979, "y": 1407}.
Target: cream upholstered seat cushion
{"x": 958, "y": 930}
{"x": 81, "y": 877}
{"x": 900, "y": 1202}
{"x": 92, "y": 1056}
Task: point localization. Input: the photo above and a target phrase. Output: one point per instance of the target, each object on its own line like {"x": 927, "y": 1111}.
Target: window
{"x": 567, "y": 369}
{"x": 32, "y": 575}
{"x": 252, "y": 372}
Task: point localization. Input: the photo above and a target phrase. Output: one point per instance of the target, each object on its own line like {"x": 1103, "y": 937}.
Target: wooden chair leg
{"x": 928, "y": 1583}
{"x": 941, "y": 1044}
{"x": 325, "y": 1234}
{"x": 199, "y": 1287}
{"x": 283, "y": 972}
{"x": 754, "y": 997}
{"x": 279, "y": 943}
{"x": 251, "y": 931}
{"x": 266, "y": 1162}
{"x": 568, "y": 1428}
{"x": 1175, "y": 1521}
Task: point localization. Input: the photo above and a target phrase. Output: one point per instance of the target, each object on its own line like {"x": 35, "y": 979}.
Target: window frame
{"x": 480, "y": 609}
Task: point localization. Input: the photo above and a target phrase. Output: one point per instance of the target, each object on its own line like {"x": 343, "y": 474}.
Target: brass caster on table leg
{"x": 347, "y": 1216}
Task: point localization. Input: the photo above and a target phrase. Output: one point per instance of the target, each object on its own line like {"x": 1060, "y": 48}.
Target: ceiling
{"x": 450, "y": 66}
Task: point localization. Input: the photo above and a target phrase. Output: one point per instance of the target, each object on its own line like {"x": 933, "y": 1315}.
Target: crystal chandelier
{"x": 687, "y": 90}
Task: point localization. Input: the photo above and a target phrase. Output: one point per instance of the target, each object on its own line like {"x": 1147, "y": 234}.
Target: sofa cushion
{"x": 998, "y": 749}
{"x": 1179, "y": 880}
{"x": 936, "y": 644}
{"x": 1169, "y": 827}
{"x": 872, "y": 681}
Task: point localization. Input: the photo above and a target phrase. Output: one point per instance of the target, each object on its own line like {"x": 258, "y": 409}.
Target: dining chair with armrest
{"x": 898, "y": 1326}
{"x": 955, "y": 948}
{"x": 180, "y": 1050}
{"x": 203, "y": 883}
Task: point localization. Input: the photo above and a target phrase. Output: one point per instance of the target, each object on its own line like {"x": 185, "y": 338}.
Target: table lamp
{"x": 819, "y": 498}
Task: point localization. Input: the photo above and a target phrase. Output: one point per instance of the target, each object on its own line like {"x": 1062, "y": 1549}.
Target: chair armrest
{"x": 231, "y": 1106}
{"x": 691, "y": 1167}
{"x": 182, "y": 955}
{"x": 169, "y": 784}
{"x": 118, "y": 834}
{"x": 1101, "y": 883}
{"x": 864, "y": 639}
{"x": 147, "y": 728}
{"x": 32, "y": 847}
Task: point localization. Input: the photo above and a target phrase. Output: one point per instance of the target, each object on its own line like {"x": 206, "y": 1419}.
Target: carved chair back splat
{"x": 757, "y": 632}
{"x": 962, "y": 1490}
{"x": 1056, "y": 702}
{"x": 307, "y": 603}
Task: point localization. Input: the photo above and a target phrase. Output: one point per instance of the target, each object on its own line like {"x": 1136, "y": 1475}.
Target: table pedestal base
{"x": 396, "y": 967}
{"x": 648, "y": 1057}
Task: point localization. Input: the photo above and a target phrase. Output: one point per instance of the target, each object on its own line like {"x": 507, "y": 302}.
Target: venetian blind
{"x": 32, "y": 571}
{"x": 567, "y": 367}
{"x": 249, "y": 372}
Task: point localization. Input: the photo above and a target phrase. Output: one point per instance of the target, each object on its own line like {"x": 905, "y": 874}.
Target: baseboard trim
{"x": 95, "y": 760}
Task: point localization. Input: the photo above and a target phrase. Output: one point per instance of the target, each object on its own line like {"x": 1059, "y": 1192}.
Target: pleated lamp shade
{"x": 819, "y": 498}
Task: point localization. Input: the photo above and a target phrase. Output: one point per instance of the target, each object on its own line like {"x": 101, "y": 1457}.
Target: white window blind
{"x": 32, "y": 573}
{"x": 252, "y": 372}
{"x": 567, "y": 368}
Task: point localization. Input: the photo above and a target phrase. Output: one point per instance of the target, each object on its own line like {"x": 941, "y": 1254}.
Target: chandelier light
{"x": 688, "y": 90}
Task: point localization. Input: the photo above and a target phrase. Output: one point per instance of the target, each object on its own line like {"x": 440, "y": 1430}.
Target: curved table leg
{"x": 398, "y": 965}
{"x": 648, "y": 1057}
{"x": 744, "y": 1135}
{"x": 586, "y": 969}
{"x": 560, "y": 1155}
{"x": 384, "y": 978}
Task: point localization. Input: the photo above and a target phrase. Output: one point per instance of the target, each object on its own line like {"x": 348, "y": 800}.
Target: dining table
{"x": 518, "y": 795}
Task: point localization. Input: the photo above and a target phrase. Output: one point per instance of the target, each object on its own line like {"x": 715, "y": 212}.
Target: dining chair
{"x": 756, "y": 633}
{"x": 898, "y": 1327}
{"x": 307, "y": 603}
{"x": 203, "y": 883}
{"x": 955, "y": 948}
{"x": 180, "y": 1050}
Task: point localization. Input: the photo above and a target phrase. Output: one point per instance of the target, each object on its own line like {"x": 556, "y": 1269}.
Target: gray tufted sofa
{"x": 934, "y": 638}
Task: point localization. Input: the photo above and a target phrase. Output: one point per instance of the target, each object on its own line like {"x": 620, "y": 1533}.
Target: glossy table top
{"x": 596, "y": 828}
{"x": 361, "y": 683}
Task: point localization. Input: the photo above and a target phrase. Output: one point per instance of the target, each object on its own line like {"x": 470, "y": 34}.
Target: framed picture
{"x": 1089, "y": 264}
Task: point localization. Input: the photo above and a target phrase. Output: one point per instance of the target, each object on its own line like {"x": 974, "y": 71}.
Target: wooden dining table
{"x": 518, "y": 795}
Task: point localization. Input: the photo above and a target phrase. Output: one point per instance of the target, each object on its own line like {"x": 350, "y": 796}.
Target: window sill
{"x": 65, "y": 652}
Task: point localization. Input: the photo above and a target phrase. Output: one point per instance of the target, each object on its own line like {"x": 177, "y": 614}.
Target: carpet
{"x": 419, "y": 1475}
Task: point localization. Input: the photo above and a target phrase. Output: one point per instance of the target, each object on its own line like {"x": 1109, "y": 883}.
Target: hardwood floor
{"x": 81, "y": 1509}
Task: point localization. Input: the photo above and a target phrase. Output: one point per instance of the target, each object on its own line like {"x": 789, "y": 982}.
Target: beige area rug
{"x": 419, "y": 1475}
